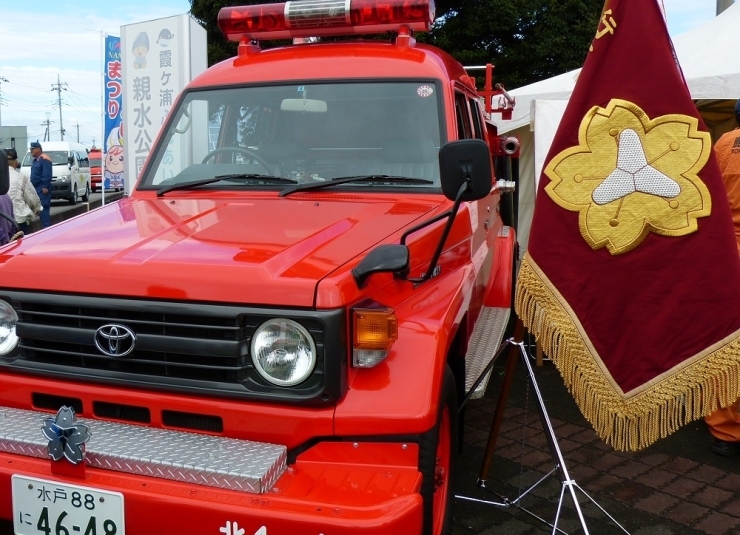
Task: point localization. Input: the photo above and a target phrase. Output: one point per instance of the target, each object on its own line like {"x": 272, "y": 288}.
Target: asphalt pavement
{"x": 677, "y": 486}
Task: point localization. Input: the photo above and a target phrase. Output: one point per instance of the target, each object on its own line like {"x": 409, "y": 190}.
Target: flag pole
{"x": 102, "y": 118}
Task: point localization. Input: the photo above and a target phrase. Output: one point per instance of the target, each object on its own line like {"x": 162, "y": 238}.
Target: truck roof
{"x": 334, "y": 60}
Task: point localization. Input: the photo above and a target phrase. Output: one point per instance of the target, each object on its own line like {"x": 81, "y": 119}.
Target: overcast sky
{"x": 46, "y": 39}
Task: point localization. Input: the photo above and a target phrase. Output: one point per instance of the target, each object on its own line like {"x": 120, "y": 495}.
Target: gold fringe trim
{"x": 709, "y": 381}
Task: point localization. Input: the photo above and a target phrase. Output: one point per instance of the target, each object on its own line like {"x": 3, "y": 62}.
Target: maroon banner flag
{"x": 631, "y": 281}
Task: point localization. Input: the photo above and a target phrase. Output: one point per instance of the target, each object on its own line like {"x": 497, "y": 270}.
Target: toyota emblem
{"x": 115, "y": 340}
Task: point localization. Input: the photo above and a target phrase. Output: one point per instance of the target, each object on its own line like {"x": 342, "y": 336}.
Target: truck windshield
{"x": 307, "y": 133}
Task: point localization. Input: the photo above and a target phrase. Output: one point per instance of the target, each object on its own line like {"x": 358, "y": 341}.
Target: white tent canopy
{"x": 711, "y": 67}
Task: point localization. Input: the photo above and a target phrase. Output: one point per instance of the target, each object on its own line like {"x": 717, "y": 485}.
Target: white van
{"x": 70, "y": 169}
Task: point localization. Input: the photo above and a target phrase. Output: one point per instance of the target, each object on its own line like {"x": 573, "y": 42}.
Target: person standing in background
{"x": 724, "y": 423}
{"x": 41, "y": 180}
{"x": 26, "y": 202}
{"x": 6, "y": 227}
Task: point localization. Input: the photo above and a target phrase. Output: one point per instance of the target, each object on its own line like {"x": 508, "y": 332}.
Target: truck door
{"x": 483, "y": 214}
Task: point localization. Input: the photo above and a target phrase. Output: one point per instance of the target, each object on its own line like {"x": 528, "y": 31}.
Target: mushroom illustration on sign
{"x": 164, "y": 38}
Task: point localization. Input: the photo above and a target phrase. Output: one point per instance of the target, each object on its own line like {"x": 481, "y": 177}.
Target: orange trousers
{"x": 724, "y": 423}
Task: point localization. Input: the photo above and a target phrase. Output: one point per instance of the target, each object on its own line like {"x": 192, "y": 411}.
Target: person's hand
{"x": 44, "y": 191}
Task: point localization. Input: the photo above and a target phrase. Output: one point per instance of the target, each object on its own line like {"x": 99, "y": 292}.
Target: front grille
{"x": 52, "y": 403}
{"x": 178, "y": 346}
{"x": 197, "y": 422}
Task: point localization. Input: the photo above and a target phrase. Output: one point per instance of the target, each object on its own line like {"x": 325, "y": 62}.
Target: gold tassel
{"x": 627, "y": 424}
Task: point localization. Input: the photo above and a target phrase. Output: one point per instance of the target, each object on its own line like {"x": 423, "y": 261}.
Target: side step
{"x": 487, "y": 337}
{"x": 213, "y": 461}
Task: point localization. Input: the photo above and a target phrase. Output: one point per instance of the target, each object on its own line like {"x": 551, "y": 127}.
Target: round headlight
{"x": 8, "y": 321}
{"x": 283, "y": 352}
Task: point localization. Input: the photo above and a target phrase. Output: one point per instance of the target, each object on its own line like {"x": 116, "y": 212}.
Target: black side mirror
{"x": 392, "y": 258}
{"x": 4, "y": 173}
{"x": 467, "y": 161}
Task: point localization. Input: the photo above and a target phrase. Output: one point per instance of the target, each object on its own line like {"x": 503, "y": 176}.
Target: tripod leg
{"x": 503, "y": 397}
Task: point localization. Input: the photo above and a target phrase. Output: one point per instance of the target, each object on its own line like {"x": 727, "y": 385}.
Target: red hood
{"x": 262, "y": 250}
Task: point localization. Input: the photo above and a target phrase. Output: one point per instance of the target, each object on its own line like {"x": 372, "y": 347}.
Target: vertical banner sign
{"x": 113, "y": 172}
{"x": 631, "y": 281}
{"x": 160, "y": 57}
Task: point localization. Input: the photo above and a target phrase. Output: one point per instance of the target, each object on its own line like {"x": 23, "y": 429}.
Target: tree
{"x": 527, "y": 40}
{"x": 206, "y": 13}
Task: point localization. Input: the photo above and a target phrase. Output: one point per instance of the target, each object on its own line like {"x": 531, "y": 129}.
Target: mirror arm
{"x": 445, "y": 233}
{"x": 423, "y": 225}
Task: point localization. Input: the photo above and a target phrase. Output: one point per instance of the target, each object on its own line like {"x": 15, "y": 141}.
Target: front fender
{"x": 400, "y": 395}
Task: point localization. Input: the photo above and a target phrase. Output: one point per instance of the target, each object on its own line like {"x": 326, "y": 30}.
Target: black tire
{"x": 75, "y": 197}
{"x": 86, "y": 196}
{"x": 434, "y": 524}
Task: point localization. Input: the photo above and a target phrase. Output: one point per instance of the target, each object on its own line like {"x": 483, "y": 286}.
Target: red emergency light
{"x": 318, "y": 18}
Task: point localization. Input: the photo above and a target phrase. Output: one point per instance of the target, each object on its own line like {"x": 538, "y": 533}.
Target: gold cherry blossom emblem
{"x": 630, "y": 175}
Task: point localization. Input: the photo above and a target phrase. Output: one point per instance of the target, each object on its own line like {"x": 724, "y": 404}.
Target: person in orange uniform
{"x": 724, "y": 424}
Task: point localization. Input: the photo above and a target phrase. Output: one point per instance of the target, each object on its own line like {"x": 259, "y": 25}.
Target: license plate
{"x": 42, "y": 507}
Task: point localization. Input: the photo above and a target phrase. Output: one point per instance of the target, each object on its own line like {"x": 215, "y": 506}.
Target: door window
{"x": 477, "y": 118}
{"x": 464, "y": 129}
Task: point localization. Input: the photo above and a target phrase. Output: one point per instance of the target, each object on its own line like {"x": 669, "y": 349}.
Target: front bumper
{"x": 332, "y": 488}
{"x": 61, "y": 190}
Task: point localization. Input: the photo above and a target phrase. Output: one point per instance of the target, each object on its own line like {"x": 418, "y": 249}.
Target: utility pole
{"x": 78, "y": 131}
{"x": 47, "y": 124}
{"x": 58, "y": 88}
{"x": 2, "y": 79}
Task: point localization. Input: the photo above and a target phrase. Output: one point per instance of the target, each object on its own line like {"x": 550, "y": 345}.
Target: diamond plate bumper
{"x": 486, "y": 339}
{"x": 211, "y": 461}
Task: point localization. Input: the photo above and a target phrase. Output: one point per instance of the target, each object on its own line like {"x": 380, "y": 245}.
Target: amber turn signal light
{"x": 374, "y": 332}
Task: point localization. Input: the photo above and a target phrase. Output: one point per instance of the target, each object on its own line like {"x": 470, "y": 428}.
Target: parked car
{"x": 70, "y": 170}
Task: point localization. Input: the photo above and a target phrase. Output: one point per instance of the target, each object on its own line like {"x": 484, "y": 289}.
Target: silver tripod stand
{"x": 568, "y": 485}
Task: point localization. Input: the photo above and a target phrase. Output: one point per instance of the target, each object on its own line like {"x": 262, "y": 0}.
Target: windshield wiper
{"x": 246, "y": 176}
{"x": 382, "y": 179}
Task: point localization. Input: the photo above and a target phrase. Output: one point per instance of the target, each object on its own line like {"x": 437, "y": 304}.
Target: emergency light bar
{"x": 318, "y": 18}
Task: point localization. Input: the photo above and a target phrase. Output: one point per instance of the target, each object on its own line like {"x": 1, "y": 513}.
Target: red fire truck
{"x": 279, "y": 323}
{"x": 96, "y": 168}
